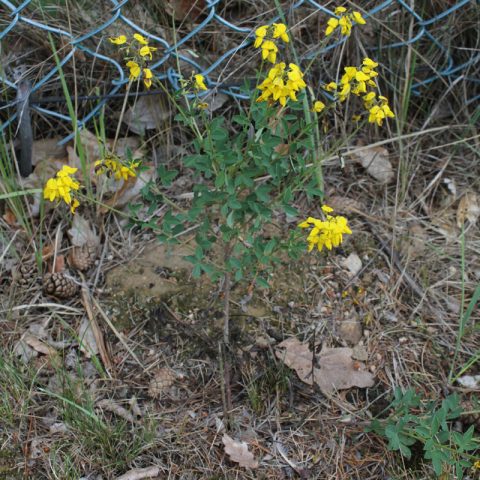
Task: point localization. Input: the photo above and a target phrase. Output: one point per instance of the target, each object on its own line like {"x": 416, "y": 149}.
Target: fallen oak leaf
{"x": 238, "y": 452}
{"x": 375, "y": 161}
{"x": 298, "y": 356}
{"x": 338, "y": 371}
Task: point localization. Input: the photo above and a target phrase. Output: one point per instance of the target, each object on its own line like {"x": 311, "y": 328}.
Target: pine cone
{"x": 59, "y": 285}
{"x": 82, "y": 258}
{"x": 25, "y": 274}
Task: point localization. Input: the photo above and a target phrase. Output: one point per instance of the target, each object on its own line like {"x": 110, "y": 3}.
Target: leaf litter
{"x": 238, "y": 452}
{"x": 336, "y": 368}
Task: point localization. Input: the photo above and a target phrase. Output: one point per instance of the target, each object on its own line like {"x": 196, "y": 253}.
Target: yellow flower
{"x": 260, "y": 34}
{"x": 135, "y": 69}
{"x": 269, "y": 51}
{"x": 318, "y": 106}
{"x": 369, "y": 99}
{"x": 61, "y": 187}
{"x": 146, "y": 51}
{"x": 368, "y": 62}
{"x": 66, "y": 171}
{"x": 476, "y": 465}
{"x": 147, "y": 77}
{"x": 280, "y": 31}
{"x": 112, "y": 166}
{"x": 357, "y": 17}
{"x": 50, "y": 191}
{"x": 330, "y": 87}
{"x": 326, "y": 233}
{"x": 332, "y": 24}
{"x": 140, "y": 39}
{"x": 74, "y": 205}
{"x": 345, "y": 22}
{"x": 200, "y": 82}
{"x": 346, "y": 25}
{"x": 326, "y": 208}
{"x": 282, "y": 84}
{"x": 120, "y": 40}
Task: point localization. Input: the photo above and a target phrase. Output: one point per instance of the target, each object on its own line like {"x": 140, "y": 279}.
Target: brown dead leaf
{"x": 238, "y": 452}
{"x": 216, "y": 101}
{"x": 344, "y": 204}
{"x": 47, "y": 149}
{"x": 185, "y": 9}
{"x": 298, "y": 356}
{"x": 148, "y": 113}
{"x": 129, "y": 190}
{"x": 468, "y": 209}
{"x": 38, "y": 345}
{"x": 338, "y": 371}
{"x": 59, "y": 265}
{"x": 86, "y": 337}
{"x": 413, "y": 244}
{"x": 162, "y": 381}
{"x": 10, "y": 218}
{"x": 140, "y": 473}
{"x": 82, "y": 233}
{"x": 375, "y": 161}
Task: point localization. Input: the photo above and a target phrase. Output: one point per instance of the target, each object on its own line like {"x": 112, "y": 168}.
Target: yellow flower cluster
{"x": 265, "y": 36}
{"x": 378, "y": 108}
{"x": 61, "y": 187}
{"x": 282, "y": 83}
{"x": 345, "y": 22}
{"x": 111, "y": 166}
{"x": 326, "y": 233}
{"x": 138, "y": 63}
{"x": 356, "y": 81}
{"x": 199, "y": 82}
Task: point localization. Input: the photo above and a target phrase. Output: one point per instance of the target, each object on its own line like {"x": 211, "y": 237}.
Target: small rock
{"x": 353, "y": 264}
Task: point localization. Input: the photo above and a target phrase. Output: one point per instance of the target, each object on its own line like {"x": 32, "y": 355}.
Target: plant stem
{"x": 226, "y": 308}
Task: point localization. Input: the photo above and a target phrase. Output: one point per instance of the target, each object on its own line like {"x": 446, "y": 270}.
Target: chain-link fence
{"x": 31, "y": 18}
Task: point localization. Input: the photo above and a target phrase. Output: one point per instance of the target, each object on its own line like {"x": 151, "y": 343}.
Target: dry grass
{"x": 409, "y": 295}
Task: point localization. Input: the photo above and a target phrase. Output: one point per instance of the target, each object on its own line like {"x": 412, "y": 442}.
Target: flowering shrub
{"x": 246, "y": 179}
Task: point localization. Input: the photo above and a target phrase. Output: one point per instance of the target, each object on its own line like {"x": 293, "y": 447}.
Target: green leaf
{"x": 241, "y": 120}
{"x": 166, "y": 176}
{"x": 270, "y": 246}
{"x": 233, "y": 202}
{"x": 261, "y": 282}
{"x": 220, "y": 180}
{"x": 290, "y": 210}
{"x": 197, "y": 271}
{"x": 262, "y": 193}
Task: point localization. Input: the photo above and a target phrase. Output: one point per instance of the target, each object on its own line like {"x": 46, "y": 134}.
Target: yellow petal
{"x": 140, "y": 38}
{"x": 120, "y": 40}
